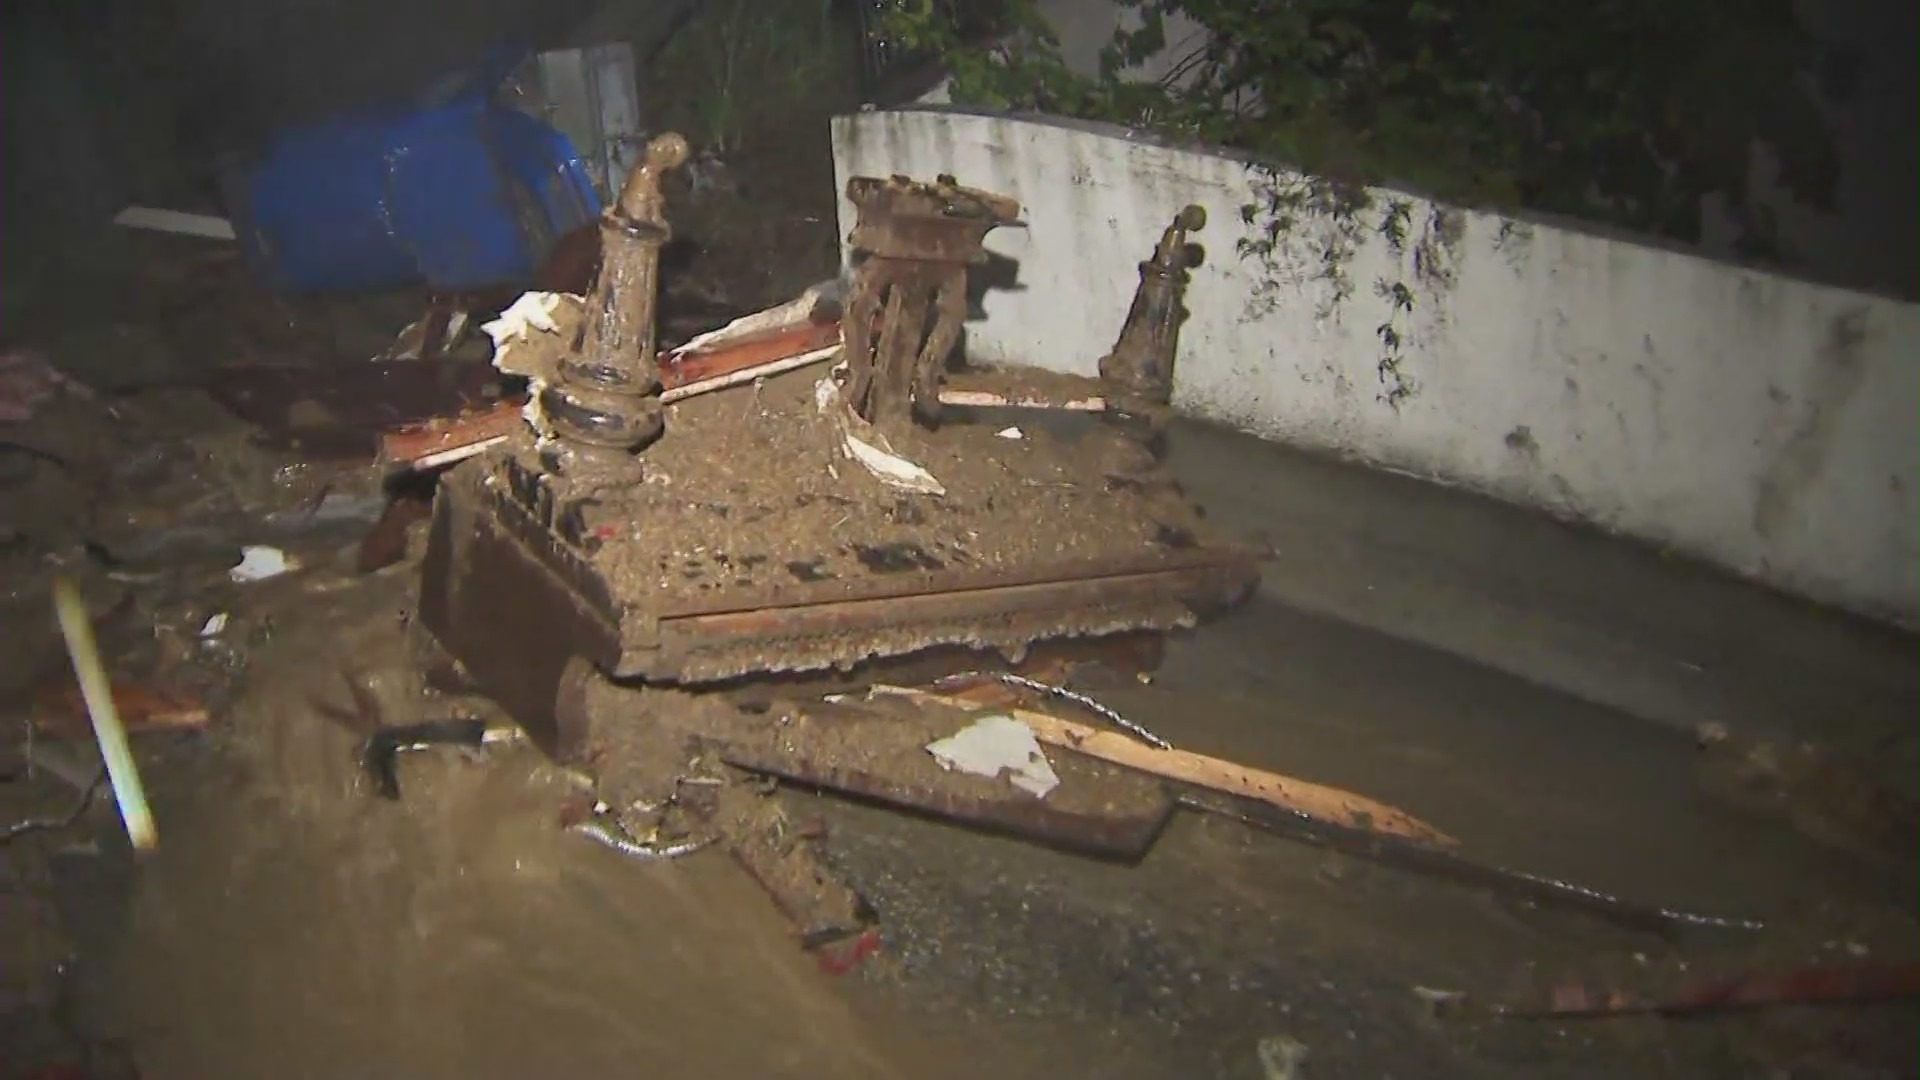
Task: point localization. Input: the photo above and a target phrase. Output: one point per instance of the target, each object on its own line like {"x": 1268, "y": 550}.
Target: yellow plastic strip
{"x": 107, "y": 728}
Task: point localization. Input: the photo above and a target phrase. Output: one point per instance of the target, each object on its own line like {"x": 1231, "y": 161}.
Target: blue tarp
{"x": 458, "y": 191}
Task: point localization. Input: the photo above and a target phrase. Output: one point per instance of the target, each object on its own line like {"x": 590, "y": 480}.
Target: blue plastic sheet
{"x": 459, "y": 191}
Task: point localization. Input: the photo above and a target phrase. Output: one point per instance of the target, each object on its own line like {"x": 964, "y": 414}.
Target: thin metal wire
{"x": 1098, "y": 709}
{"x": 1418, "y": 857}
{"x": 609, "y": 834}
{"x": 22, "y": 828}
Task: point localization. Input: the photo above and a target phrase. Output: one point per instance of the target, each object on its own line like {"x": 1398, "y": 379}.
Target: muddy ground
{"x": 294, "y": 924}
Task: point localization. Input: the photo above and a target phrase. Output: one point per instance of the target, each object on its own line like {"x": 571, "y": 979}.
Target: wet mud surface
{"x": 294, "y": 924}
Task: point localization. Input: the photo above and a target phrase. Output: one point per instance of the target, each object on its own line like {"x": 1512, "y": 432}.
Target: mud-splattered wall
{"x": 1760, "y": 422}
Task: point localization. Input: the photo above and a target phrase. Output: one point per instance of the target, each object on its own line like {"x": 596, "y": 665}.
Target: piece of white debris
{"x": 1282, "y": 1057}
{"x": 793, "y": 313}
{"x": 826, "y": 394}
{"x": 1440, "y": 1003}
{"x": 863, "y": 443}
{"x": 215, "y": 625}
{"x": 178, "y": 222}
{"x": 532, "y": 311}
{"x": 892, "y": 469}
{"x": 259, "y": 562}
{"x": 993, "y": 745}
{"x": 1011, "y": 433}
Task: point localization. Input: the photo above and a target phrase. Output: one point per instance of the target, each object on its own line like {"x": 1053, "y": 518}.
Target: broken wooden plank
{"x": 443, "y": 442}
{"x": 878, "y": 754}
{"x": 178, "y": 222}
{"x": 60, "y": 710}
{"x": 747, "y": 362}
{"x": 987, "y": 399}
{"x": 1289, "y": 793}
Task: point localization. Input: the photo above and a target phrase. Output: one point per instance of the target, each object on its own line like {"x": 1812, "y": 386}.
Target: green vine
{"x": 1305, "y": 230}
{"x": 1397, "y": 385}
{"x": 1436, "y": 257}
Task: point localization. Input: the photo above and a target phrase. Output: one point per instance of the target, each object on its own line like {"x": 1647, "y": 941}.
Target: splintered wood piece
{"x": 1288, "y": 793}
{"x": 987, "y": 399}
{"x": 60, "y": 710}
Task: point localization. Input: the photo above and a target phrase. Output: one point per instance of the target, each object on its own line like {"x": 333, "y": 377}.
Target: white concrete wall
{"x": 1760, "y": 422}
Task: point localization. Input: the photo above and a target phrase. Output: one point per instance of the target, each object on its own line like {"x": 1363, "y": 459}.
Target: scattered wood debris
{"x": 60, "y": 711}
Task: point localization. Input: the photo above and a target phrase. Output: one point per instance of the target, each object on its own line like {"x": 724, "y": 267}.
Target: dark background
{"x": 111, "y": 102}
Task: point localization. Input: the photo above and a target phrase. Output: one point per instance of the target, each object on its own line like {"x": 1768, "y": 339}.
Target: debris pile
{"x": 800, "y": 550}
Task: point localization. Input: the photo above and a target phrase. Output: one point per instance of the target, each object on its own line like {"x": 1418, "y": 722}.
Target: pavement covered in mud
{"x": 293, "y": 923}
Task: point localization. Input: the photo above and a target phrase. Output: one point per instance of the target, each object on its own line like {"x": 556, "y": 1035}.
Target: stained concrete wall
{"x": 1763, "y": 423}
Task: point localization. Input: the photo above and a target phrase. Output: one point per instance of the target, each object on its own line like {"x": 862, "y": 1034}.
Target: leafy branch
{"x": 736, "y": 59}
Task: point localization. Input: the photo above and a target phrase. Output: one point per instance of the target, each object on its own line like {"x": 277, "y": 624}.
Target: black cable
{"x": 22, "y": 828}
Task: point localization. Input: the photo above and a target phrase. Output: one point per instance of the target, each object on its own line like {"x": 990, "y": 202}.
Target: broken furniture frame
{"x": 519, "y": 581}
